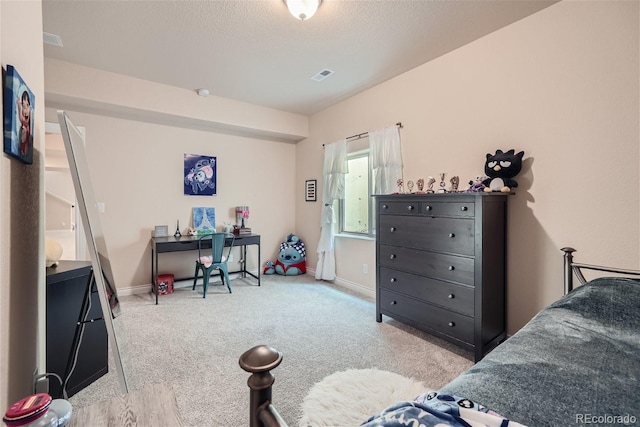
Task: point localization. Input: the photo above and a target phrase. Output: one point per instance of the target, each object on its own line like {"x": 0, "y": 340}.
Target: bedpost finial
{"x": 261, "y": 358}
{"x": 568, "y": 269}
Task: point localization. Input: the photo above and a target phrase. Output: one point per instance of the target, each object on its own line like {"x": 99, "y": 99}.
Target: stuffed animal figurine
{"x": 476, "y": 185}
{"x": 501, "y": 168}
{"x": 291, "y": 258}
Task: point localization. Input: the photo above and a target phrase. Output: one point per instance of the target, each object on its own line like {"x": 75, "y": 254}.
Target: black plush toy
{"x": 501, "y": 168}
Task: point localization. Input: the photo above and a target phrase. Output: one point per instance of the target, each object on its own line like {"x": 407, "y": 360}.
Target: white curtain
{"x": 386, "y": 159}
{"x": 333, "y": 172}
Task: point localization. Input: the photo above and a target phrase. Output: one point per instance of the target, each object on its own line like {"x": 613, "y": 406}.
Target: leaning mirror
{"x": 105, "y": 285}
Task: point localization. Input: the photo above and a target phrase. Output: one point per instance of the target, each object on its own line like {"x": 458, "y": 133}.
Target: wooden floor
{"x": 153, "y": 406}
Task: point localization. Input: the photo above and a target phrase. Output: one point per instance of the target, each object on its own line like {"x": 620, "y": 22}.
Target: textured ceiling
{"x": 255, "y": 51}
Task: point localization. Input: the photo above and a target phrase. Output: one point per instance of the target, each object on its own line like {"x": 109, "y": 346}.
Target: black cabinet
{"x": 66, "y": 290}
{"x": 441, "y": 265}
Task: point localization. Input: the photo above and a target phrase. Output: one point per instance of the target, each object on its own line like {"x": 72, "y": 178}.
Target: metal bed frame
{"x": 571, "y": 268}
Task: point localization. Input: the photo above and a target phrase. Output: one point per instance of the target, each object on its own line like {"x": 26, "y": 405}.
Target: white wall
{"x": 562, "y": 85}
{"x": 59, "y": 183}
{"x": 137, "y": 172}
{"x": 22, "y": 269}
{"x": 136, "y": 135}
{"x": 79, "y": 88}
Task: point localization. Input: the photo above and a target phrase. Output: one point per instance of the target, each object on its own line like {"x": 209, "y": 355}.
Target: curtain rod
{"x": 363, "y": 134}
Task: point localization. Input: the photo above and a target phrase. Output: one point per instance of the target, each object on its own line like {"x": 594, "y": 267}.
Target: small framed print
{"x": 161, "y": 231}
{"x": 310, "y": 194}
{"x": 19, "y": 107}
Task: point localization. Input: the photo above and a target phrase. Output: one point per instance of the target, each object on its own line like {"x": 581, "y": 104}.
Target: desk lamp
{"x": 242, "y": 213}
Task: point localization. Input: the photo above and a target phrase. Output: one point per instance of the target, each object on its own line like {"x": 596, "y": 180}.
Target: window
{"x": 357, "y": 207}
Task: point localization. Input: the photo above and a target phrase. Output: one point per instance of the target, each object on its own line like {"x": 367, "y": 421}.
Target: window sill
{"x": 355, "y": 236}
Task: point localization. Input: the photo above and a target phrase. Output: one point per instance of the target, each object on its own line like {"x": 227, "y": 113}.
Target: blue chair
{"x": 212, "y": 256}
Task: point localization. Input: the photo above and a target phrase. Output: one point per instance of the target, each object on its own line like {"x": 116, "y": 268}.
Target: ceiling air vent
{"x": 322, "y": 75}
{"x": 52, "y": 39}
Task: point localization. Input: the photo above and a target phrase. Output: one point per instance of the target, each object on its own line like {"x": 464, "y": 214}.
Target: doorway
{"x": 62, "y": 217}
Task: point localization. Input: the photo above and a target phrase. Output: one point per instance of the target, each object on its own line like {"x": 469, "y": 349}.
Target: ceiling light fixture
{"x": 203, "y": 92}
{"x": 303, "y": 9}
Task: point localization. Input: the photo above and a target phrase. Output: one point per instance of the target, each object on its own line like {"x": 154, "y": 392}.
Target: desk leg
{"x": 244, "y": 265}
{"x": 155, "y": 279}
{"x": 259, "y": 265}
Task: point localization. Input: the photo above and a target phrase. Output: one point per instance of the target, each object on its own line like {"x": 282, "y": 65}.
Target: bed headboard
{"x": 571, "y": 268}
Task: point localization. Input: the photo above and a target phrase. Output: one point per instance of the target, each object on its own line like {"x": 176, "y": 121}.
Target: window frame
{"x": 370, "y": 203}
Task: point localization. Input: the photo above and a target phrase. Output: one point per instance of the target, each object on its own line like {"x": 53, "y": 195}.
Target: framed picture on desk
{"x": 161, "y": 231}
{"x": 204, "y": 219}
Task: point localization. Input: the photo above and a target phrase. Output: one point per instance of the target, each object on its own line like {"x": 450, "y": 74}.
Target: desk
{"x": 190, "y": 243}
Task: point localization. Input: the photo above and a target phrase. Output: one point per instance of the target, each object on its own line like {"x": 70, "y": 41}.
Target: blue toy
{"x": 291, "y": 258}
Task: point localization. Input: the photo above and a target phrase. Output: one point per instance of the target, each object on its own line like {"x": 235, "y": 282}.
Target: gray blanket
{"x": 575, "y": 363}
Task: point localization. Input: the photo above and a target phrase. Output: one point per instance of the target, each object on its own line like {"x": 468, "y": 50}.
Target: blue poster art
{"x": 204, "y": 220}
{"x": 199, "y": 175}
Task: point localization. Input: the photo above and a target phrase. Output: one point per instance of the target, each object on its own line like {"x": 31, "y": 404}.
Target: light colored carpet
{"x": 193, "y": 344}
{"x": 350, "y": 397}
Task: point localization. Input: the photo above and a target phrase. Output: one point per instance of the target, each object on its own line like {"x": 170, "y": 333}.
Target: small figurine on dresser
{"x": 430, "y": 183}
{"x": 442, "y": 184}
{"x": 410, "y": 186}
{"x": 420, "y": 186}
{"x": 501, "y": 168}
{"x": 476, "y": 185}
{"x": 455, "y": 181}
{"x": 400, "y": 183}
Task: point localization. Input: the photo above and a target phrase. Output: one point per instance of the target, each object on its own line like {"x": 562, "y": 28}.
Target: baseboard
{"x": 178, "y": 284}
{"x": 347, "y": 284}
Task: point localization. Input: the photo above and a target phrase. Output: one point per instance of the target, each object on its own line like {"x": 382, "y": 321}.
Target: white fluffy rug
{"x": 349, "y": 398}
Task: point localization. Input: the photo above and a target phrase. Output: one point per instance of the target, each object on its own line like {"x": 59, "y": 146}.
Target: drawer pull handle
{"x": 392, "y": 229}
{"x": 452, "y": 235}
{"x": 393, "y": 280}
{"x": 464, "y": 208}
{"x": 451, "y": 268}
{"x": 452, "y": 324}
{"x": 451, "y": 296}
{"x": 410, "y": 207}
{"x": 392, "y": 256}
{"x": 428, "y": 208}
{"x": 394, "y": 302}
{"x": 385, "y": 207}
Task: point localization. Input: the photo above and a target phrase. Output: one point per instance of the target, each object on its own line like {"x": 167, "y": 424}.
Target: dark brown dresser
{"x": 67, "y": 286}
{"x": 441, "y": 265}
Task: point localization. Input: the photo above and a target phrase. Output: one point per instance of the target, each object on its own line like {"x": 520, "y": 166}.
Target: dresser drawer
{"x": 454, "y": 297}
{"x": 455, "y": 235}
{"x": 427, "y": 315}
{"x": 399, "y": 207}
{"x": 456, "y": 209}
{"x": 437, "y": 266}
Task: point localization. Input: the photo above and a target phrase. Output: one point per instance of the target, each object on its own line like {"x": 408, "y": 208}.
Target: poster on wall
{"x": 19, "y": 103}
{"x": 200, "y": 175}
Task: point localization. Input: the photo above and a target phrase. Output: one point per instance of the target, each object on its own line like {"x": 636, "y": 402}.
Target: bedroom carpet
{"x": 193, "y": 344}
